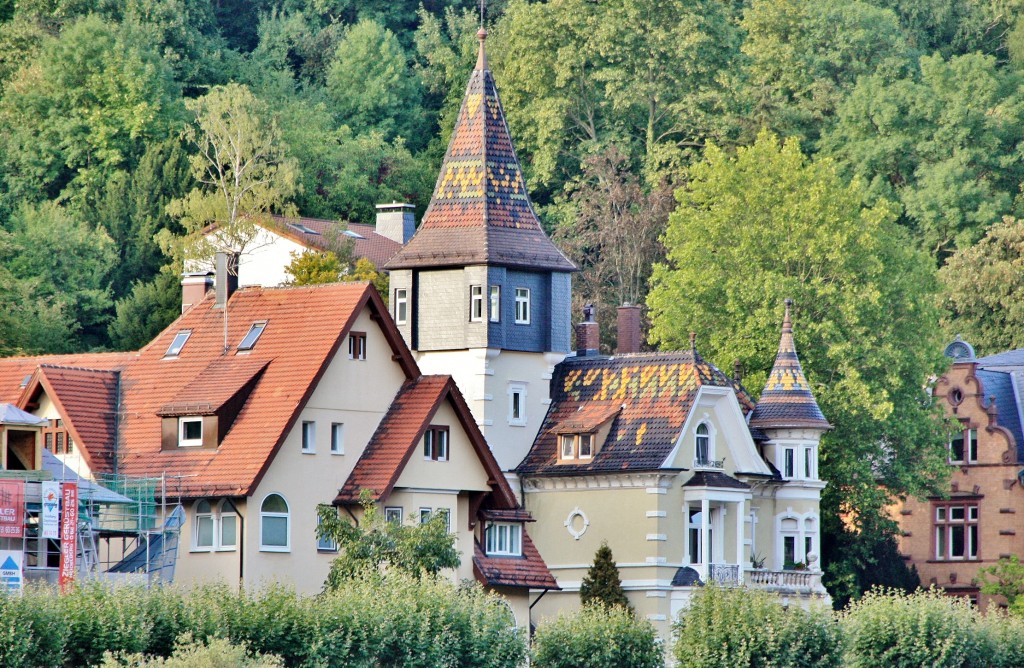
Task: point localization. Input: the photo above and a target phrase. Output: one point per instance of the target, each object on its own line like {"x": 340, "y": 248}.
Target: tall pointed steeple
{"x": 787, "y": 400}
{"x": 480, "y": 212}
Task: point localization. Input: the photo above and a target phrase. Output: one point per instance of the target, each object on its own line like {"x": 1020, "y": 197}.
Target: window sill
{"x": 200, "y": 550}
{"x": 226, "y": 549}
{"x": 270, "y": 548}
{"x": 338, "y": 453}
{"x": 308, "y": 452}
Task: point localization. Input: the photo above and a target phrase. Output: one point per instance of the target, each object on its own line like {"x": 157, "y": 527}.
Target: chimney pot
{"x": 629, "y": 328}
{"x": 194, "y": 286}
{"x": 588, "y": 334}
{"x": 396, "y": 221}
{"x": 226, "y": 281}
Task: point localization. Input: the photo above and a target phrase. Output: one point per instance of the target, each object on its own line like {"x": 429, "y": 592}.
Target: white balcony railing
{"x": 716, "y": 464}
{"x": 796, "y": 581}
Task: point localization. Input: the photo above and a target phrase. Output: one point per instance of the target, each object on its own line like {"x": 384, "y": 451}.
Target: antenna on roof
{"x": 483, "y": 8}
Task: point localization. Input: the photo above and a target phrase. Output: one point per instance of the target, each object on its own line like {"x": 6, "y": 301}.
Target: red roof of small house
{"x": 305, "y": 327}
{"x": 529, "y": 570}
{"x": 367, "y": 243}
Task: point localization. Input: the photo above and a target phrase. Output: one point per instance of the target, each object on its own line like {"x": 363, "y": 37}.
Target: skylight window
{"x": 253, "y": 336}
{"x": 354, "y": 235}
{"x": 178, "y": 343}
{"x": 302, "y": 228}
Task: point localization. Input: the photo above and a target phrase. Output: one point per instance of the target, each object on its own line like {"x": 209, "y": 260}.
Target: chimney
{"x": 588, "y": 334}
{"x": 737, "y": 371}
{"x": 396, "y": 221}
{"x": 194, "y": 286}
{"x": 629, "y": 329}
{"x": 227, "y": 277}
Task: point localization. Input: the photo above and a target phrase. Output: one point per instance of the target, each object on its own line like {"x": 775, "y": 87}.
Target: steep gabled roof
{"x": 480, "y": 212}
{"x": 399, "y": 434}
{"x": 787, "y": 400}
{"x": 87, "y": 401}
{"x": 305, "y": 328}
{"x": 655, "y": 392}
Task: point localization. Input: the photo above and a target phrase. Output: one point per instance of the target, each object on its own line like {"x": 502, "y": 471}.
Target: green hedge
{"x": 597, "y": 637}
{"x": 375, "y": 621}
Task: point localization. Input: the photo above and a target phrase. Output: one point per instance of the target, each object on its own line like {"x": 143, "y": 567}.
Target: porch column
{"x": 740, "y": 521}
{"x": 705, "y": 526}
{"x": 686, "y": 532}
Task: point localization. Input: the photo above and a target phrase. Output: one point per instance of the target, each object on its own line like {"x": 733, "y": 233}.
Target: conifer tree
{"x": 601, "y": 584}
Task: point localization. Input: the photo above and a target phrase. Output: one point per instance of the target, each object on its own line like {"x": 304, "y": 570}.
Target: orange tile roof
{"x": 528, "y": 570}
{"x": 399, "y": 434}
{"x": 215, "y": 385}
{"x": 305, "y": 327}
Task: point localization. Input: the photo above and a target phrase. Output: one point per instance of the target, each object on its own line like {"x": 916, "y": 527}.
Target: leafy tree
{"x": 375, "y": 544}
{"x": 577, "y": 75}
{"x": 371, "y": 86}
{"x": 982, "y": 286}
{"x": 85, "y": 107}
{"x": 20, "y": 41}
{"x": 364, "y": 270}
{"x": 145, "y": 311}
{"x": 447, "y": 49}
{"x": 313, "y": 268}
{"x": 597, "y": 637}
{"x": 945, "y": 143}
{"x": 611, "y": 228}
{"x": 749, "y": 627}
{"x": 1006, "y": 579}
{"x": 601, "y": 585}
{"x": 243, "y": 171}
{"x": 768, "y": 224}
{"x": 30, "y": 324}
{"x": 76, "y": 276}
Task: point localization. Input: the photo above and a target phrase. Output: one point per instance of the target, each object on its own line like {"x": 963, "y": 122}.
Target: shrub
{"x": 188, "y": 653}
{"x": 597, "y": 637}
{"x": 602, "y": 584}
{"x": 32, "y": 629}
{"x": 926, "y": 628}
{"x": 104, "y": 618}
{"x": 1002, "y": 634}
{"x": 747, "y": 627}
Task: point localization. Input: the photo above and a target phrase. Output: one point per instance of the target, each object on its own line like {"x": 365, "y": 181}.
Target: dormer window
{"x": 504, "y": 539}
{"x": 178, "y": 343}
{"x": 435, "y": 444}
{"x": 704, "y": 448}
{"x": 253, "y": 336}
{"x": 576, "y": 447}
{"x": 703, "y": 443}
{"x": 190, "y": 432}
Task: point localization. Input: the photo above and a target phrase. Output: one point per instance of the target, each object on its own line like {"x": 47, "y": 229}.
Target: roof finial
{"x": 787, "y": 324}
{"x": 481, "y": 59}
{"x": 693, "y": 341}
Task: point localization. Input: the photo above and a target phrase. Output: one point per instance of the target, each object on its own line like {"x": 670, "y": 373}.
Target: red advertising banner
{"x": 12, "y": 508}
{"x": 68, "y": 533}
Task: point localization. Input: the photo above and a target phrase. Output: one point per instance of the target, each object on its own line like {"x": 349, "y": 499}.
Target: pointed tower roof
{"x": 480, "y": 212}
{"x": 787, "y": 400}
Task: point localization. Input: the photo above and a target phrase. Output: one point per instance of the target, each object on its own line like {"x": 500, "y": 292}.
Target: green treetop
{"x": 601, "y": 584}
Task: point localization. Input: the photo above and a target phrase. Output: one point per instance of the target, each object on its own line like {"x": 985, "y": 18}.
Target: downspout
{"x": 529, "y": 612}
{"x": 241, "y": 546}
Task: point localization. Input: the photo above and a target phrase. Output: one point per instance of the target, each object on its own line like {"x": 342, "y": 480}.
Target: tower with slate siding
{"x": 480, "y": 292}
{"x": 792, "y": 423}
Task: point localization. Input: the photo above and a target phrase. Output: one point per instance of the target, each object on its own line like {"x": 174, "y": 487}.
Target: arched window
{"x": 275, "y": 532}
{"x": 203, "y": 539}
{"x": 228, "y": 526}
{"x": 703, "y": 442}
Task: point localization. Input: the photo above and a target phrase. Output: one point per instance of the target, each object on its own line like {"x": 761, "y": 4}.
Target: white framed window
{"x": 202, "y": 540}
{"x": 504, "y": 539}
{"x": 568, "y": 446}
{"x": 956, "y": 448}
{"x": 957, "y": 534}
{"x": 178, "y": 343}
{"x": 324, "y": 543}
{"x": 425, "y": 515}
{"x": 703, "y": 438}
{"x": 476, "y": 303}
{"x": 517, "y": 404}
{"x": 309, "y": 437}
{"x": 275, "y": 524}
{"x": 494, "y": 311}
{"x": 788, "y": 463}
{"x": 810, "y": 464}
{"x": 586, "y": 446}
{"x": 573, "y": 447}
{"x": 190, "y": 432}
{"x": 393, "y": 514}
{"x": 435, "y": 443}
{"x": 972, "y": 445}
{"x": 522, "y": 306}
{"x": 228, "y": 533}
{"x": 337, "y": 438}
{"x": 401, "y": 306}
{"x": 357, "y": 346}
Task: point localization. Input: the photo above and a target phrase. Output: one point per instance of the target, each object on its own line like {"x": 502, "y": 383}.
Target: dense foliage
{"x": 597, "y": 637}
{"x": 392, "y": 621}
{"x": 602, "y": 584}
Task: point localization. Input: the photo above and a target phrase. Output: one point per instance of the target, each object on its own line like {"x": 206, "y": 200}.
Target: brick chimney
{"x": 588, "y": 334}
{"x": 226, "y": 280}
{"x": 396, "y": 221}
{"x": 194, "y": 286}
{"x": 629, "y": 329}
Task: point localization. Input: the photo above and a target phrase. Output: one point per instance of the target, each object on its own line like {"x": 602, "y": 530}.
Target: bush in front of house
{"x": 597, "y": 637}
{"x": 725, "y": 627}
{"x": 190, "y": 653}
{"x": 927, "y": 628}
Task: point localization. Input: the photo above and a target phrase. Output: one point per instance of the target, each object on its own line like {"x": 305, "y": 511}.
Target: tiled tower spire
{"x": 787, "y": 400}
{"x": 480, "y": 212}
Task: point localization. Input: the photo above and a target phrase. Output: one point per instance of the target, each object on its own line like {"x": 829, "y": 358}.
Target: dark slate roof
{"x": 714, "y": 479}
{"x": 366, "y": 242}
{"x": 787, "y": 400}
{"x": 1003, "y": 386}
{"x": 480, "y": 212}
{"x": 528, "y": 570}
{"x": 686, "y": 577}
{"x": 1010, "y": 358}
{"x": 654, "y": 392}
